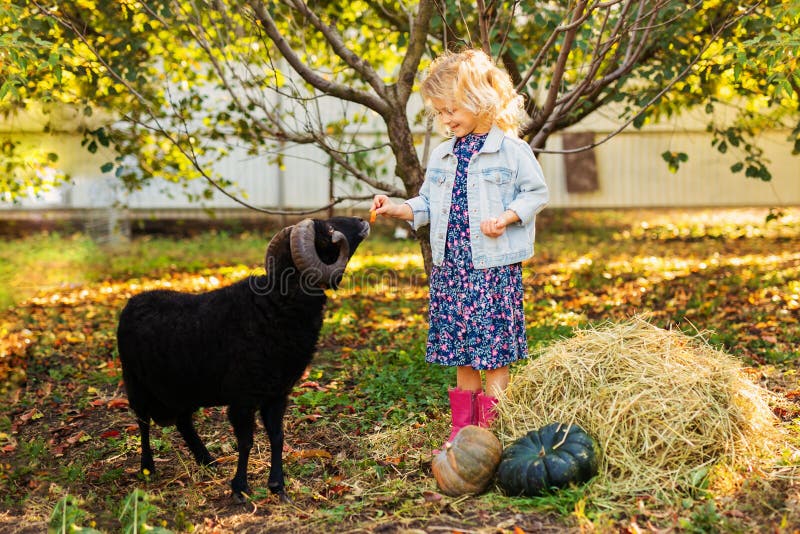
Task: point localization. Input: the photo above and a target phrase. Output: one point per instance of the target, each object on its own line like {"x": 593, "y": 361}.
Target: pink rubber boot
{"x": 486, "y": 409}
{"x": 462, "y": 410}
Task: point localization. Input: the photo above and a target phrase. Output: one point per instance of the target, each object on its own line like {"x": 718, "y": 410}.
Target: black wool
{"x": 243, "y": 346}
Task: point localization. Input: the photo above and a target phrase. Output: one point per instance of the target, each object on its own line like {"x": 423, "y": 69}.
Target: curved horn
{"x": 275, "y": 244}
{"x": 307, "y": 260}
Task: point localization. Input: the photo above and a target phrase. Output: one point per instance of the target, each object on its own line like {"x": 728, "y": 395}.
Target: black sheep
{"x": 243, "y": 346}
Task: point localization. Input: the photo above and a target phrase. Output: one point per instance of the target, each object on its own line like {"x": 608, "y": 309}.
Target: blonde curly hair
{"x": 471, "y": 80}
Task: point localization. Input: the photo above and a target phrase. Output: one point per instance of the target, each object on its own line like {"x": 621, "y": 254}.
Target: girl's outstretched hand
{"x": 382, "y": 205}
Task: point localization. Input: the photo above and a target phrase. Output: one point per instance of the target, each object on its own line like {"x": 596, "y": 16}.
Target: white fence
{"x": 629, "y": 173}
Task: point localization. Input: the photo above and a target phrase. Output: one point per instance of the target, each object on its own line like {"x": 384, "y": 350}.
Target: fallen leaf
{"x": 310, "y": 418}
{"x": 432, "y": 496}
{"x": 310, "y": 453}
{"x": 338, "y": 489}
{"x": 79, "y": 437}
{"x": 31, "y": 415}
{"x": 118, "y": 403}
{"x": 314, "y": 385}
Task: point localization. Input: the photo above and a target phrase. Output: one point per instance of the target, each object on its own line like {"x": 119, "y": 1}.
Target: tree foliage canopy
{"x": 180, "y": 83}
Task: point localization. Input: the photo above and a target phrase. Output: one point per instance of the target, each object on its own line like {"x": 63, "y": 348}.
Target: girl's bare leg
{"x": 497, "y": 380}
{"x": 467, "y": 378}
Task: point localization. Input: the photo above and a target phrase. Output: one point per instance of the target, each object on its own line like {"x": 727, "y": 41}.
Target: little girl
{"x": 483, "y": 188}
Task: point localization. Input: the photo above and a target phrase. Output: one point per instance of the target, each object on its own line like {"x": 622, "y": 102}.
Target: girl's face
{"x": 458, "y": 120}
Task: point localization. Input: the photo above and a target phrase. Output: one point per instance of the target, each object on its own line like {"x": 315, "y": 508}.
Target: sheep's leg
{"x": 148, "y": 466}
{"x": 186, "y": 428}
{"x": 272, "y": 415}
{"x": 243, "y": 420}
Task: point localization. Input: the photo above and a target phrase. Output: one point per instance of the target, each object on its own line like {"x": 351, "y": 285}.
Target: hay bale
{"x": 664, "y": 407}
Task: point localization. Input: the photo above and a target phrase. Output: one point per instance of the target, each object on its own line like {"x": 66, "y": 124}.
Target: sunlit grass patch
{"x": 729, "y": 224}
{"x": 360, "y": 426}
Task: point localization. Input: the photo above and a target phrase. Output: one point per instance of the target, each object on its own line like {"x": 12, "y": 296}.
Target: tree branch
{"x": 680, "y": 76}
{"x": 190, "y": 154}
{"x": 339, "y": 157}
{"x": 417, "y": 39}
{"x": 483, "y": 25}
{"x": 502, "y": 53}
{"x": 267, "y": 128}
{"x": 311, "y": 77}
{"x": 571, "y": 27}
{"x": 558, "y": 72}
{"x": 589, "y": 85}
{"x": 334, "y": 39}
{"x": 400, "y": 23}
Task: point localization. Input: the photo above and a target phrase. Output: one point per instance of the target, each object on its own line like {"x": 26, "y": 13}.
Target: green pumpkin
{"x": 553, "y": 456}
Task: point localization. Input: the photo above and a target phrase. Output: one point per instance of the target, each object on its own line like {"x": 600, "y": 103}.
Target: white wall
{"x": 630, "y": 170}
{"x": 632, "y": 174}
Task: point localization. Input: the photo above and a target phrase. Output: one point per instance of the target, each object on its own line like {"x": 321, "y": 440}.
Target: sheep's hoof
{"x": 284, "y": 497}
{"x": 210, "y": 463}
{"x": 205, "y": 459}
{"x": 239, "y": 498}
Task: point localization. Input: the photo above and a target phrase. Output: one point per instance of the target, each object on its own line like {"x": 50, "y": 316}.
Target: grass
{"x": 361, "y": 426}
{"x": 48, "y": 261}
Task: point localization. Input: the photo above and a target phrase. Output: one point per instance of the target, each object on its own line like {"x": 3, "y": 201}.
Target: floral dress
{"x": 476, "y": 315}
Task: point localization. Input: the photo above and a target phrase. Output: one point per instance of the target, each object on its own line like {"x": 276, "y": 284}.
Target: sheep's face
{"x": 354, "y": 230}
{"x": 315, "y": 252}
{"x": 328, "y": 250}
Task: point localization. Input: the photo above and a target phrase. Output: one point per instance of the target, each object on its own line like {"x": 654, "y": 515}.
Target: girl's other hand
{"x": 493, "y": 227}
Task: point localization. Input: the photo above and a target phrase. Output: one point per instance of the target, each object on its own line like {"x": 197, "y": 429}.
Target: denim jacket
{"x": 503, "y": 175}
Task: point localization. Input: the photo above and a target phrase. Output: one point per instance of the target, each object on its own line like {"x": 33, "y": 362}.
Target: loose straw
{"x": 662, "y": 406}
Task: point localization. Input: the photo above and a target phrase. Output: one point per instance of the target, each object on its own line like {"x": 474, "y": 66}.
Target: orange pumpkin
{"x": 468, "y": 463}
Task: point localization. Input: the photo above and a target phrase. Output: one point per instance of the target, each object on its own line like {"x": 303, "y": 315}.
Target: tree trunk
{"x": 410, "y": 170}
{"x": 424, "y": 238}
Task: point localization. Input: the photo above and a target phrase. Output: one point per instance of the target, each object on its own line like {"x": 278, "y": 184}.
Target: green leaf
{"x": 102, "y": 137}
